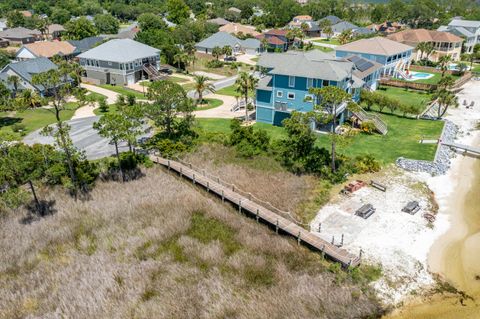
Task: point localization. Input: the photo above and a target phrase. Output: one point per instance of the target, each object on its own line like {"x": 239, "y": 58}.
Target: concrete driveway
{"x": 84, "y": 137}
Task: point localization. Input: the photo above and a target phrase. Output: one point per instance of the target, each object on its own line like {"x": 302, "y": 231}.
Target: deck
{"x": 465, "y": 148}
{"x": 269, "y": 215}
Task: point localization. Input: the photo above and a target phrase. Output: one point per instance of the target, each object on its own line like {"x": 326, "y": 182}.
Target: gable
{"x": 24, "y": 53}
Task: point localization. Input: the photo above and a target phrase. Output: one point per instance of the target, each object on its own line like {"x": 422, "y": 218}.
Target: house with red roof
{"x": 276, "y": 39}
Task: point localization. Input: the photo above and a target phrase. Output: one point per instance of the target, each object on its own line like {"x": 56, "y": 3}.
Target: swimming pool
{"x": 419, "y": 76}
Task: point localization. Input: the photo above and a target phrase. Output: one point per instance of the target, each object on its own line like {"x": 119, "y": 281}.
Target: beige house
{"x": 45, "y": 49}
{"x": 444, "y": 43}
{"x": 236, "y": 28}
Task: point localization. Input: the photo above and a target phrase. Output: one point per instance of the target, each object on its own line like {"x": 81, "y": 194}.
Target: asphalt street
{"x": 84, "y": 137}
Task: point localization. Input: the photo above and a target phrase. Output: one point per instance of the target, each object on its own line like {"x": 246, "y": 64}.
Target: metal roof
{"x": 221, "y": 39}
{"x": 120, "y": 50}
{"x": 464, "y": 23}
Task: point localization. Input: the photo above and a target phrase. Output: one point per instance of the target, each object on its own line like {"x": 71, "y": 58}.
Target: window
{"x": 309, "y": 83}
{"x": 291, "y": 96}
{"x": 325, "y": 83}
{"x": 291, "y": 81}
{"x": 109, "y": 63}
{"x": 131, "y": 66}
{"x": 279, "y": 93}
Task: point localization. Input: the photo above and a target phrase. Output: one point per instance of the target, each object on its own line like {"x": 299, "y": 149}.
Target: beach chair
{"x": 412, "y": 208}
{"x": 365, "y": 211}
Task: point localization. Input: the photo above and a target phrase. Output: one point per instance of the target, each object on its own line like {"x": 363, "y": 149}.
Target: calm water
{"x": 461, "y": 264}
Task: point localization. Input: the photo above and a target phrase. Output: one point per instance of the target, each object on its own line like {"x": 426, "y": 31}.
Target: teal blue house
{"x": 288, "y": 77}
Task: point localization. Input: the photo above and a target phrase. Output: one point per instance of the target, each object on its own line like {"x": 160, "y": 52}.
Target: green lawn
{"x": 230, "y": 90}
{"x": 122, "y": 90}
{"x": 112, "y": 108}
{"x": 331, "y": 41}
{"x": 211, "y": 104}
{"x": 406, "y": 96}
{"x": 401, "y": 140}
{"x": 32, "y": 119}
{"x": 177, "y": 79}
{"x": 96, "y": 96}
{"x": 324, "y": 49}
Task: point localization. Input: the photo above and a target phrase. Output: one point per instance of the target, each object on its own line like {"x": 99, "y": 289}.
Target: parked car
{"x": 165, "y": 70}
{"x": 230, "y": 59}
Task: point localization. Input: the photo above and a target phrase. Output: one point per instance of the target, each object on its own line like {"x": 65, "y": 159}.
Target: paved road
{"x": 84, "y": 137}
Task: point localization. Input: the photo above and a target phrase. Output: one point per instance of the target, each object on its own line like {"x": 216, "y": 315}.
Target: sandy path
{"x": 111, "y": 96}
{"x": 85, "y": 111}
{"x": 223, "y": 111}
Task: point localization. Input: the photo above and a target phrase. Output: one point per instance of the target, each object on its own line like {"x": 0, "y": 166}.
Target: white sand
{"x": 399, "y": 241}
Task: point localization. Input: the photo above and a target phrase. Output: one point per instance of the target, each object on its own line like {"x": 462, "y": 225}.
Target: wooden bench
{"x": 411, "y": 208}
{"x": 378, "y": 186}
{"x": 365, "y": 211}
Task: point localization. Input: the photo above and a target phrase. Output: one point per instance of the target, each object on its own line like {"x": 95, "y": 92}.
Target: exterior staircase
{"x": 152, "y": 72}
{"x": 431, "y": 112}
{"x": 362, "y": 115}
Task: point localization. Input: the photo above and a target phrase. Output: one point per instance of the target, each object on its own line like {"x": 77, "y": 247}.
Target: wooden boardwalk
{"x": 260, "y": 212}
{"x": 465, "y": 148}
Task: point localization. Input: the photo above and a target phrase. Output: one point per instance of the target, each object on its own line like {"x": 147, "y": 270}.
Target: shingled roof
{"x": 120, "y": 50}
{"x": 423, "y": 35}
{"x": 376, "y": 45}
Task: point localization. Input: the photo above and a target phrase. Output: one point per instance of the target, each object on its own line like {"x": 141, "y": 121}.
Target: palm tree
{"x": 227, "y": 50}
{"x": 421, "y": 48}
{"x": 244, "y": 84}
{"x": 217, "y": 52}
{"x": 264, "y": 43}
{"x": 202, "y": 84}
{"x": 180, "y": 58}
{"x": 428, "y": 49}
{"x": 14, "y": 80}
{"x": 29, "y": 99}
{"x": 328, "y": 32}
{"x": 345, "y": 36}
{"x": 444, "y": 62}
{"x": 444, "y": 95}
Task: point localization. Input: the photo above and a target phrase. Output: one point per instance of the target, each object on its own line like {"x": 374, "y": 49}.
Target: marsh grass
{"x": 158, "y": 247}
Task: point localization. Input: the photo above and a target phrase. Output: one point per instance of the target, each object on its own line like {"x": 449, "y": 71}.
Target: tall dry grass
{"x": 158, "y": 247}
{"x": 264, "y": 177}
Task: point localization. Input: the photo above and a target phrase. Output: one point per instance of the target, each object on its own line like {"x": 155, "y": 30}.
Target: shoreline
{"x": 452, "y": 254}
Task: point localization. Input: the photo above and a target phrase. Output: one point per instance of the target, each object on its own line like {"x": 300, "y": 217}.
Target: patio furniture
{"x": 365, "y": 211}
{"x": 411, "y": 208}
{"x": 378, "y": 186}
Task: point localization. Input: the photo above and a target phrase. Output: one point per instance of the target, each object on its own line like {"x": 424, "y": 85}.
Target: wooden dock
{"x": 260, "y": 212}
{"x": 464, "y": 148}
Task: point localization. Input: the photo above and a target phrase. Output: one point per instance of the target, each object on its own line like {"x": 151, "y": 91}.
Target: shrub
{"x": 19, "y": 128}
{"x": 131, "y": 100}
{"x": 169, "y": 148}
{"x": 247, "y": 141}
{"x": 102, "y": 105}
{"x": 368, "y": 127}
{"x": 214, "y": 64}
{"x": 366, "y": 164}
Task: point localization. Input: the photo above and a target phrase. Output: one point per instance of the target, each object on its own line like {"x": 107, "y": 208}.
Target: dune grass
{"x": 158, "y": 247}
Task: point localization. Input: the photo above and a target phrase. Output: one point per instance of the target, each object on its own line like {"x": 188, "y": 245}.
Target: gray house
{"x": 223, "y": 39}
{"x": 25, "y": 70}
{"x": 21, "y": 35}
{"x": 120, "y": 61}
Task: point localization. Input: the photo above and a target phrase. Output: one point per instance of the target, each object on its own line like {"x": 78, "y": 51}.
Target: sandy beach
{"x": 411, "y": 250}
{"x": 454, "y": 256}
